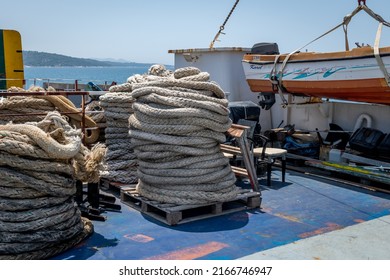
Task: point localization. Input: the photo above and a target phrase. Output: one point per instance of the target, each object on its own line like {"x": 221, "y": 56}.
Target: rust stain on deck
{"x": 191, "y": 252}
{"x": 330, "y": 227}
{"x": 288, "y": 217}
{"x": 139, "y": 238}
{"x": 281, "y": 215}
{"x": 264, "y": 235}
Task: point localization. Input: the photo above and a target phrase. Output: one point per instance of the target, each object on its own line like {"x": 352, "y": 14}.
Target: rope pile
{"x": 21, "y": 109}
{"x": 39, "y": 166}
{"x": 120, "y": 160}
{"x": 177, "y": 126}
{"x": 96, "y": 111}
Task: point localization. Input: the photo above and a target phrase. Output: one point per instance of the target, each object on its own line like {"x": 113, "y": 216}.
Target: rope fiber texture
{"x": 120, "y": 160}
{"x": 178, "y": 122}
{"x": 21, "y": 109}
{"x": 39, "y": 165}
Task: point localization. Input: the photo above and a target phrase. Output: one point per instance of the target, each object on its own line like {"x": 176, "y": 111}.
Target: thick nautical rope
{"x": 23, "y": 109}
{"x": 120, "y": 161}
{"x": 39, "y": 164}
{"x": 177, "y": 126}
{"x": 96, "y": 112}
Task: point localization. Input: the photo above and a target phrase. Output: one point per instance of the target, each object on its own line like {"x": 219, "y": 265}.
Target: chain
{"x": 222, "y": 27}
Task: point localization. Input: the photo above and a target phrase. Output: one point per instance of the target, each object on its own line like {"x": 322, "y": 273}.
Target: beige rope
{"x": 120, "y": 163}
{"x": 41, "y": 104}
{"x": 120, "y": 160}
{"x": 176, "y": 128}
{"x": 53, "y": 248}
{"x": 39, "y": 165}
{"x": 45, "y": 142}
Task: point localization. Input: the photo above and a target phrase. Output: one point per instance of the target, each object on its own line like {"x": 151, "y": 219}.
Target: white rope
{"x": 120, "y": 164}
{"x": 39, "y": 165}
{"x": 378, "y": 56}
{"x": 177, "y": 126}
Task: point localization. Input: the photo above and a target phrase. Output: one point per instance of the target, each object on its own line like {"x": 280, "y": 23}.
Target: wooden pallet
{"x": 172, "y": 214}
{"x": 114, "y": 187}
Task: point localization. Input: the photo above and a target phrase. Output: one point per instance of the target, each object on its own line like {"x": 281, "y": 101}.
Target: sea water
{"x": 83, "y": 75}
{"x": 98, "y": 75}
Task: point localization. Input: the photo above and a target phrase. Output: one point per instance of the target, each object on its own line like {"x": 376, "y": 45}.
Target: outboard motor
{"x": 265, "y": 48}
{"x": 266, "y": 99}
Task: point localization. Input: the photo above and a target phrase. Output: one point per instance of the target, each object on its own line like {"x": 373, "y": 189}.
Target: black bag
{"x": 384, "y": 146}
{"x": 366, "y": 140}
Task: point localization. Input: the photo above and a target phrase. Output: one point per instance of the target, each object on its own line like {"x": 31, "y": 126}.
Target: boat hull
{"x": 353, "y": 75}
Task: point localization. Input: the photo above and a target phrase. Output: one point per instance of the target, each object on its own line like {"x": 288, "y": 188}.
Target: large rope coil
{"x": 120, "y": 160}
{"x": 179, "y": 120}
{"x": 39, "y": 165}
{"x": 21, "y": 109}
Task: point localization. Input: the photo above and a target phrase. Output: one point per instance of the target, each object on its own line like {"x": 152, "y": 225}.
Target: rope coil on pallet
{"x": 178, "y": 123}
{"x": 120, "y": 161}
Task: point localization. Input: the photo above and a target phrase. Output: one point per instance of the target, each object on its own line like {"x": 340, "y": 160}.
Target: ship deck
{"x": 304, "y": 218}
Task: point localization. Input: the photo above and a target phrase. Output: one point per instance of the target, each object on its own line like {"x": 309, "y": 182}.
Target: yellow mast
{"x": 11, "y": 59}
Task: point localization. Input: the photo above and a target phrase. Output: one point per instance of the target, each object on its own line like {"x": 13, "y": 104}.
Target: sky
{"x": 144, "y": 30}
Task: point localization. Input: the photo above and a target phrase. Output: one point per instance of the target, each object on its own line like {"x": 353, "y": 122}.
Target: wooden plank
{"x": 177, "y": 214}
{"x": 360, "y": 159}
{"x": 248, "y": 158}
{"x": 237, "y": 130}
{"x": 240, "y": 133}
{"x": 115, "y": 186}
{"x": 356, "y": 171}
{"x": 230, "y": 149}
{"x": 239, "y": 171}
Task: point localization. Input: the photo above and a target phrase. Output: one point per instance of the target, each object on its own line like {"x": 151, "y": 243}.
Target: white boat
{"x": 355, "y": 75}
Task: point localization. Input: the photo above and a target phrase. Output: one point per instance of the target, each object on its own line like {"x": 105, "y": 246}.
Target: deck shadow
{"x": 87, "y": 248}
{"x": 225, "y": 222}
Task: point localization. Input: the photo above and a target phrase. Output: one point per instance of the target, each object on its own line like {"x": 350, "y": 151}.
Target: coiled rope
{"x": 178, "y": 123}
{"x": 120, "y": 160}
{"x": 21, "y": 109}
{"x": 39, "y": 165}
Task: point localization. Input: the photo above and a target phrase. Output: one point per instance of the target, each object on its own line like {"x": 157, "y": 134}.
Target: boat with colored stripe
{"x": 355, "y": 75}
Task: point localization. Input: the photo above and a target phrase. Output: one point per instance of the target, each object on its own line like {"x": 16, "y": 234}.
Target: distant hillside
{"x": 34, "y": 58}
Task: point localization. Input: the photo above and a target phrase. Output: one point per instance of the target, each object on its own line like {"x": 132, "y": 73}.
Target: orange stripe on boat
{"x": 191, "y": 252}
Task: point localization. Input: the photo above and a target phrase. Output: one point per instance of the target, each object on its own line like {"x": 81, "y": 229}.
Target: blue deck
{"x": 299, "y": 208}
